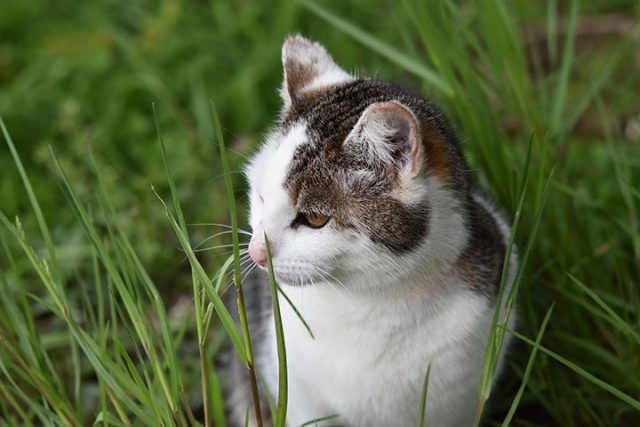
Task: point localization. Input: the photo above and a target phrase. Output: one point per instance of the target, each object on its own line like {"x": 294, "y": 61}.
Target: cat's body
{"x": 383, "y": 246}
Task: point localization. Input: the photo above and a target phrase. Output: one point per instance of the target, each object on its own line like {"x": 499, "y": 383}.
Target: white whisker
{"x": 211, "y": 237}
{"x": 230, "y": 245}
{"x": 326, "y": 273}
{"x": 215, "y": 224}
{"x": 329, "y": 282}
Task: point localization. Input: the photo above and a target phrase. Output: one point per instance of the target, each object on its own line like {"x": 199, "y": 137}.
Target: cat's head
{"x": 360, "y": 180}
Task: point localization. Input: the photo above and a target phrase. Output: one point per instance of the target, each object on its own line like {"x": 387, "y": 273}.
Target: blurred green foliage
{"x": 82, "y": 78}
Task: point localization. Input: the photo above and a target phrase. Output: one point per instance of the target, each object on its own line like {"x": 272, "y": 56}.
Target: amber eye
{"x": 316, "y": 220}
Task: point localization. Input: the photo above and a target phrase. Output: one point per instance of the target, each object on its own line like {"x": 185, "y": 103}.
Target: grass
{"x": 110, "y": 314}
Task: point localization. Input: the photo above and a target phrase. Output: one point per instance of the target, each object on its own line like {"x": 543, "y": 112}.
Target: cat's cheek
{"x": 308, "y": 245}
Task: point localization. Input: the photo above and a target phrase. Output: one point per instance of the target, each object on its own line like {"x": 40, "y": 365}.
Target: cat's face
{"x": 357, "y": 182}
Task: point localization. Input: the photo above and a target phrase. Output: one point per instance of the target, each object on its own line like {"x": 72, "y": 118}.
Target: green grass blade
{"x": 16, "y": 409}
{"x": 107, "y": 418}
{"x": 618, "y": 321}
{"x": 560, "y": 98}
{"x": 128, "y": 252}
{"x": 39, "y": 265}
{"x": 552, "y": 29}
{"x": 391, "y": 53}
{"x": 297, "y": 312}
{"x": 595, "y": 351}
{"x": 496, "y": 336}
{"x": 232, "y": 208}
{"x": 238, "y": 272}
{"x": 42, "y": 224}
{"x": 217, "y": 400}
{"x": 43, "y": 412}
{"x": 534, "y": 232}
{"x": 121, "y": 384}
{"x": 130, "y": 301}
{"x": 223, "y": 314}
{"x": 281, "y": 409}
{"x": 201, "y": 324}
{"x": 495, "y": 342}
{"x": 167, "y": 167}
{"x": 634, "y": 403}
{"x": 221, "y": 274}
{"x": 527, "y": 371}
{"x": 315, "y": 421}
{"x": 423, "y": 398}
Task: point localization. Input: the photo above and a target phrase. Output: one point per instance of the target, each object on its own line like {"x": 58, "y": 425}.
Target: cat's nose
{"x": 257, "y": 252}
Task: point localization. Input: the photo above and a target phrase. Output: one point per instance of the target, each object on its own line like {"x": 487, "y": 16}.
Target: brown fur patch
{"x": 482, "y": 259}
{"x": 297, "y": 76}
{"x": 436, "y": 153}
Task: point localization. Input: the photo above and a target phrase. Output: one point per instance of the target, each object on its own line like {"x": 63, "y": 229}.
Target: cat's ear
{"x": 388, "y": 133}
{"x": 307, "y": 66}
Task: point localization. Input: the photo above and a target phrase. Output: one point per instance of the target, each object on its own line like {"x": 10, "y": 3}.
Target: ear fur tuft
{"x": 388, "y": 132}
{"x": 307, "y": 65}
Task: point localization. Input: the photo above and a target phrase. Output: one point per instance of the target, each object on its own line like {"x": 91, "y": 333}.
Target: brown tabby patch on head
{"x": 323, "y": 177}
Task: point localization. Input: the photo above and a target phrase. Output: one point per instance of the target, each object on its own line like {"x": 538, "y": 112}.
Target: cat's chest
{"x": 366, "y": 360}
{"x": 349, "y": 340}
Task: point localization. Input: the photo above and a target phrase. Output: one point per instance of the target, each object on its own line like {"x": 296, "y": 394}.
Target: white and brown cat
{"x": 381, "y": 241}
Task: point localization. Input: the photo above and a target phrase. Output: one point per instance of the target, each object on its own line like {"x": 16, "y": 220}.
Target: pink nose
{"x": 257, "y": 253}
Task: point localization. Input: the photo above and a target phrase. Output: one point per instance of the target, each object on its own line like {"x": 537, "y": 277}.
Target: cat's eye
{"x": 315, "y": 220}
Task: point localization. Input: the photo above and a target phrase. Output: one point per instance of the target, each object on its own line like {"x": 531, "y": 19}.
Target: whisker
{"x": 231, "y": 150}
{"x": 243, "y": 274}
{"x": 245, "y": 266}
{"x": 328, "y": 282}
{"x": 230, "y": 245}
{"x": 311, "y": 282}
{"x": 211, "y": 237}
{"x": 215, "y": 224}
{"x": 246, "y": 263}
{"x": 221, "y": 175}
{"x": 338, "y": 281}
{"x": 247, "y": 271}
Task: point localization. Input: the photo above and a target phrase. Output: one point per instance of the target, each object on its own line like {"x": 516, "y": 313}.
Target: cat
{"x": 381, "y": 241}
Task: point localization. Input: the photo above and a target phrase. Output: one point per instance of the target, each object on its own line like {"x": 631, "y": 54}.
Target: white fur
{"x": 369, "y": 357}
{"x": 375, "y": 136}
{"x": 265, "y": 169}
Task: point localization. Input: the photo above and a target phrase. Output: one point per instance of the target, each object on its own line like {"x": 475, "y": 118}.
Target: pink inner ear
{"x": 395, "y": 116}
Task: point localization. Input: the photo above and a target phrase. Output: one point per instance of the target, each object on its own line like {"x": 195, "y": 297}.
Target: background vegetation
{"x": 98, "y": 321}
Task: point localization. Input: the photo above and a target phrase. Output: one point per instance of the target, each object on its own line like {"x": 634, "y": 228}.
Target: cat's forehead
{"x": 332, "y": 112}
{"x": 301, "y": 168}
{"x": 320, "y": 173}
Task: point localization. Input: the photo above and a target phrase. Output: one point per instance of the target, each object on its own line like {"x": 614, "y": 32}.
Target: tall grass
{"x": 93, "y": 325}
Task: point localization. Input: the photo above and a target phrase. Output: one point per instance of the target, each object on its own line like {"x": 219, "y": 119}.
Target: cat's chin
{"x": 289, "y": 278}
